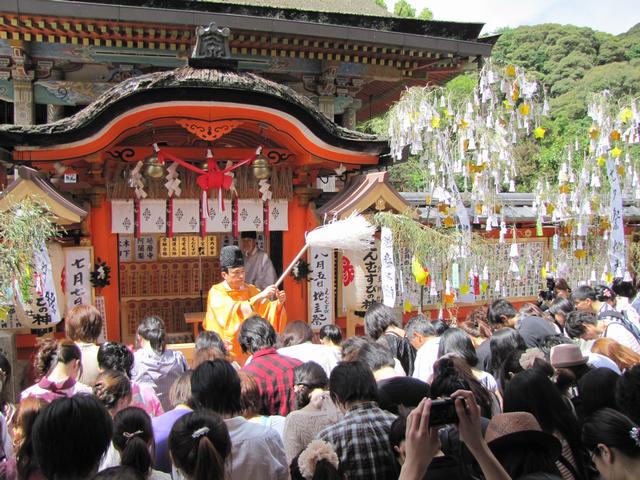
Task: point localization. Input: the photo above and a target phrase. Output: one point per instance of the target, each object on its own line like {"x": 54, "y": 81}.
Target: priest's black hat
{"x": 253, "y": 235}
{"x": 231, "y": 257}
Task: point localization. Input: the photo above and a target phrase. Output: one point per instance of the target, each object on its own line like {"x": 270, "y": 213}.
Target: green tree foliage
{"x": 381, "y": 3}
{"x": 402, "y": 8}
{"x": 572, "y": 62}
{"x": 425, "y": 14}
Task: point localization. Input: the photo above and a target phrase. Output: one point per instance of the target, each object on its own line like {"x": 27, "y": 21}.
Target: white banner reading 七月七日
{"x": 77, "y": 267}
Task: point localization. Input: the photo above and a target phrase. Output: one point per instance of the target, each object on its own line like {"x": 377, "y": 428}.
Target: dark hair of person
{"x": 296, "y": 333}
{"x": 115, "y": 356}
{"x": 522, "y": 460}
{"x": 510, "y": 367}
{"x": 70, "y": 437}
{"x": 83, "y": 323}
{"x": 152, "y": 329}
{"x": 255, "y": 334}
{"x": 575, "y": 324}
{"x": 440, "y": 326}
{"x": 209, "y": 339}
{"x": 250, "y": 399}
{"x": 180, "y": 391}
{"x": 333, "y": 333}
{"x": 397, "y": 432}
{"x": 451, "y": 373}
{"x": 378, "y": 318}
{"x": 499, "y": 309}
{"x": 561, "y": 284}
{"x": 628, "y": 393}
{"x": 583, "y": 292}
{"x": 205, "y": 354}
{"x": 28, "y": 411}
{"x": 5, "y": 369}
{"x": 121, "y": 472}
{"x": 308, "y": 377}
{"x": 597, "y": 390}
{"x": 112, "y": 386}
{"x": 613, "y": 429}
{"x": 351, "y": 346}
{"x": 623, "y": 289}
{"x": 532, "y": 391}
{"x": 561, "y": 305}
{"x": 604, "y": 293}
{"x": 458, "y": 342}
{"x": 215, "y": 385}
{"x": 52, "y": 352}
{"x": 532, "y": 310}
{"x": 352, "y": 382}
{"x": 421, "y": 325}
{"x": 502, "y": 343}
{"x": 200, "y": 445}
{"x": 376, "y": 356}
{"x": 133, "y": 438}
{"x": 476, "y": 323}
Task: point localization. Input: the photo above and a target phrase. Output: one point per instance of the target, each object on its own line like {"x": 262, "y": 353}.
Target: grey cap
{"x": 231, "y": 257}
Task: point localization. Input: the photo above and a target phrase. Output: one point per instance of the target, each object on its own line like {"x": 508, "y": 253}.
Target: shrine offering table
{"x": 196, "y": 319}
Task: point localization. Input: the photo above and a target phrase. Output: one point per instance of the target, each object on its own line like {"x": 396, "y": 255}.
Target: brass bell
{"x": 153, "y": 168}
{"x": 261, "y": 168}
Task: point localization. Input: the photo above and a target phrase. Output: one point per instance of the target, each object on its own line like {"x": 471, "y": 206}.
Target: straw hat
{"x": 506, "y": 430}
{"x": 567, "y": 355}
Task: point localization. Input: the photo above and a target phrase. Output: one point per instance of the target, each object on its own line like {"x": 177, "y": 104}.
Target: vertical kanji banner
{"x": 321, "y": 298}
{"x": 78, "y": 263}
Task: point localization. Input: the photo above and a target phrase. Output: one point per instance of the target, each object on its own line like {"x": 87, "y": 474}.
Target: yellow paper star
{"x": 524, "y": 109}
{"x": 601, "y": 161}
{"x": 510, "y": 71}
{"x": 407, "y": 306}
{"x": 626, "y": 115}
{"x": 609, "y": 277}
{"x": 564, "y": 188}
{"x": 539, "y": 132}
{"x": 463, "y": 123}
{"x": 435, "y": 122}
{"x": 483, "y": 287}
{"x": 507, "y": 104}
{"x": 580, "y": 254}
{"x": 550, "y": 208}
{"x": 543, "y": 272}
{"x": 594, "y": 132}
{"x": 449, "y": 222}
{"x": 615, "y": 135}
{"x": 621, "y": 170}
{"x": 616, "y": 152}
{"x": 464, "y": 289}
{"x": 516, "y": 93}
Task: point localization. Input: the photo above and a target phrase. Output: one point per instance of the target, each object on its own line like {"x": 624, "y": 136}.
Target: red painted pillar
{"x": 105, "y": 246}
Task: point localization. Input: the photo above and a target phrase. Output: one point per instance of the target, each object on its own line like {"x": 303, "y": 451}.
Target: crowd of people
{"x": 549, "y": 391}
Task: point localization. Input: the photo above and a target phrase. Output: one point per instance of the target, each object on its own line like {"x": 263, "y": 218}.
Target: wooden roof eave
{"x": 29, "y": 184}
{"x": 361, "y": 194}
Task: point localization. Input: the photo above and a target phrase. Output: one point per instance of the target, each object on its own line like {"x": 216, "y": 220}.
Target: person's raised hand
{"x": 422, "y": 442}
{"x": 469, "y": 424}
{"x": 269, "y": 292}
{"x": 282, "y": 296}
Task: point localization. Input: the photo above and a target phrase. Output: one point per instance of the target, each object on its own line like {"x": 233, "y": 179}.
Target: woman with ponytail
{"x": 614, "y": 443}
{"x": 200, "y": 445}
{"x": 57, "y": 365}
{"x": 133, "y": 439}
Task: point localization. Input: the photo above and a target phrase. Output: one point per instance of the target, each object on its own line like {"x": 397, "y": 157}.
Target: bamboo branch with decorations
{"x": 24, "y": 229}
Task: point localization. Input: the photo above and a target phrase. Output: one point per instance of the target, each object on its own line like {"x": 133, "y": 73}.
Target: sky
{"x": 612, "y": 16}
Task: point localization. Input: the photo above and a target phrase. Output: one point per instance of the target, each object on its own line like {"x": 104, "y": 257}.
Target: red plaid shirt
{"x": 274, "y": 374}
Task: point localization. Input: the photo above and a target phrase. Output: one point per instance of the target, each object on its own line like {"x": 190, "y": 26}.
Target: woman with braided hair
{"x": 133, "y": 439}
{"x": 58, "y": 366}
{"x": 200, "y": 445}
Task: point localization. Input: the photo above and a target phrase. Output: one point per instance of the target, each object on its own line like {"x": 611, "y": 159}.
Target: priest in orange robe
{"x": 233, "y": 300}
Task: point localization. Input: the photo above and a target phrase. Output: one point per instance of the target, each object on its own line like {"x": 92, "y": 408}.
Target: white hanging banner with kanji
{"x": 250, "y": 216}
{"x": 321, "y": 288}
{"x": 40, "y": 308}
{"x": 388, "y": 268}
{"x": 218, "y": 221}
{"x": 122, "y": 216}
{"x": 278, "y": 215}
{"x": 77, "y": 278}
{"x": 186, "y": 215}
{"x": 153, "y": 216}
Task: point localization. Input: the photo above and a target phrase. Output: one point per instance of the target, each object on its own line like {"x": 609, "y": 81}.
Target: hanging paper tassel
{"x": 627, "y": 277}
{"x": 513, "y": 250}
{"x": 234, "y": 216}
{"x": 204, "y": 210}
{"x": 265, "y": 215}
{"x": 455, "y": 276}
{"x": 136, "y": 206}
